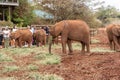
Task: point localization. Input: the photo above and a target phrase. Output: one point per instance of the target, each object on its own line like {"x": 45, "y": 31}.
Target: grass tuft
{"x": 4, "y": 57}
{"x": 10, "y": 68}
{"x": 98, "y": 49}
{"x": 7, "y": 78}
{"x": 93, "y": 41}
{"x": 32, "y": 67}
{"x": 37, "y": 76}
{"x": 46, "y": 58}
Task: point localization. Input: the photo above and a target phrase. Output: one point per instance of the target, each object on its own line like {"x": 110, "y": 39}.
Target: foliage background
{"x": 91, "y": 11}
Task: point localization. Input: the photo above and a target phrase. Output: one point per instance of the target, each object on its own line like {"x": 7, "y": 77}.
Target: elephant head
{"x": 55, "y": 31}
{"x": 15, "y": 35}
{"x": 116, "y": 30}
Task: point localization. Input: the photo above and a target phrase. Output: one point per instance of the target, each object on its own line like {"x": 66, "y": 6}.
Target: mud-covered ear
{"x": 115, "y": 31}
{"x": 52, "y": 30}
{"x": 17, "y": 34}
{"x": 59, "y": 27}
{"x": 12, "y": 35}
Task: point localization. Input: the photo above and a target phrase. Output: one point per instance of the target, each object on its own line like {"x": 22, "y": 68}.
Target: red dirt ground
{"x": 89, "y": 66}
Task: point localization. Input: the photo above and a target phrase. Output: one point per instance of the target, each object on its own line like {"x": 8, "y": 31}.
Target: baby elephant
{"x": 40, "y": 37}
{"x": 113, "y": 33}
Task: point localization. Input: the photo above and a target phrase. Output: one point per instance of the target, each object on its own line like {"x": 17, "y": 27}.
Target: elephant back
{"x": 39, "y": 34}
{"x": 26, "y": 32}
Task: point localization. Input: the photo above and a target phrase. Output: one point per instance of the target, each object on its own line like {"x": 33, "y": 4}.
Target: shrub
{"x": 6, "y": 23}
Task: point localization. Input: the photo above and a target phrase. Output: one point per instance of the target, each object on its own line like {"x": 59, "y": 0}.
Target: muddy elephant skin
{"x": 22, "y": 36}
{"x": 71, "y": 30}
{"x": 40, "y": 37}
{"x": 113, "y": 33}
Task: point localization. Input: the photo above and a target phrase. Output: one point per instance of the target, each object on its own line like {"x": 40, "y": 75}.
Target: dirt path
{"x": 97, "y": 66}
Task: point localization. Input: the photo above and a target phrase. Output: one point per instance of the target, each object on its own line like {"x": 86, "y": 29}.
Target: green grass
{"x": 100, "y": 49}
{"x": 46, "y": 58}
{"x": 38, "y": 76}
{"x": 10, "y": 68}
{"x": 76, "y": 45}
{"x": 41, "y": 56}
{"x": 8, "y": 78}
{"x": 4, "y": 57}
{"x": 32, "y": 67}
{"x": 95, "y": 41}
{"x": 41, "y": 53}
{"x": 19, "y": 51}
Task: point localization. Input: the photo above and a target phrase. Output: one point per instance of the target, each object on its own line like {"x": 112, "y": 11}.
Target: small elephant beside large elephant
{"x": 22, "y": 36}
{"x": 113, "y": 32}
{"x": 71, "y": 30}
{"x": 40, "y": 37}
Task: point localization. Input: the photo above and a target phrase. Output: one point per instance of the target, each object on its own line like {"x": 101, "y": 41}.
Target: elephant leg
{"x": 64, "y": 46}
{"x": 20, "y": 44}
{"x": 29, "y": 44}
{"x": 41, "y": 43}
{"x": 44, "y": 41}
{"x": 116, "y": 43}
{"x": 88, "y": 47}
{"x": 83, "y": 47}
{"x": 113, "y": 47}
{"x": 16, "y": 43}
{"x": 37, "y": 43}
{"x": 110, "y": 43}
{"x": 69, "y": 42}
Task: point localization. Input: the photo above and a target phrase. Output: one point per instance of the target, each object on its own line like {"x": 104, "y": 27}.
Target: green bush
{"x": 6, "y": 23}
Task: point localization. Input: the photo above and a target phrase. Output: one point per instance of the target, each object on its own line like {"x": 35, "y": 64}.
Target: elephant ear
{"x": 52, "y": 30}
{"x": 17, "y": 34}
{"x": 59, "y": 27}
{"x": 115, "y": 30}
{"x": 12, "y": 35}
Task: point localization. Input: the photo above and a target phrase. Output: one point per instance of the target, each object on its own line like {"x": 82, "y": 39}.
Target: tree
{"x": 68, "y": 9}
{"x": 105, "y": 14}
{"x": 23, "y": 14}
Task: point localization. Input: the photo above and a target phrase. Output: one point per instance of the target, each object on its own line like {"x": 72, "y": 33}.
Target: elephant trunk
{"x": 50, "y": 43}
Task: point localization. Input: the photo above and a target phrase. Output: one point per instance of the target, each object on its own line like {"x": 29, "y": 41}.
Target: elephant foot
{"x": 70, "y": 53}
{"x": 118, "y": 50}
{"x": 83, "y": 52}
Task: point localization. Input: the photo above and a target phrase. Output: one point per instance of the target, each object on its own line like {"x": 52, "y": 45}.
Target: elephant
{"x": 71, "y": 30}
{"x": 22, "y": 36}
{"x": 40, "y": 37}
{"x": 113, "y": 33}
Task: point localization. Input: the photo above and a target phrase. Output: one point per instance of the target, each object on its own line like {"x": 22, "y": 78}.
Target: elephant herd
{"x": 69, "y": 30}
{"x": 25, "y": 36}
{"x": 78, "y": 30}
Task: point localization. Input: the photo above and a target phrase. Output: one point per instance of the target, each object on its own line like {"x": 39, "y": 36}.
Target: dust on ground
{"x": 89, "y": 66}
